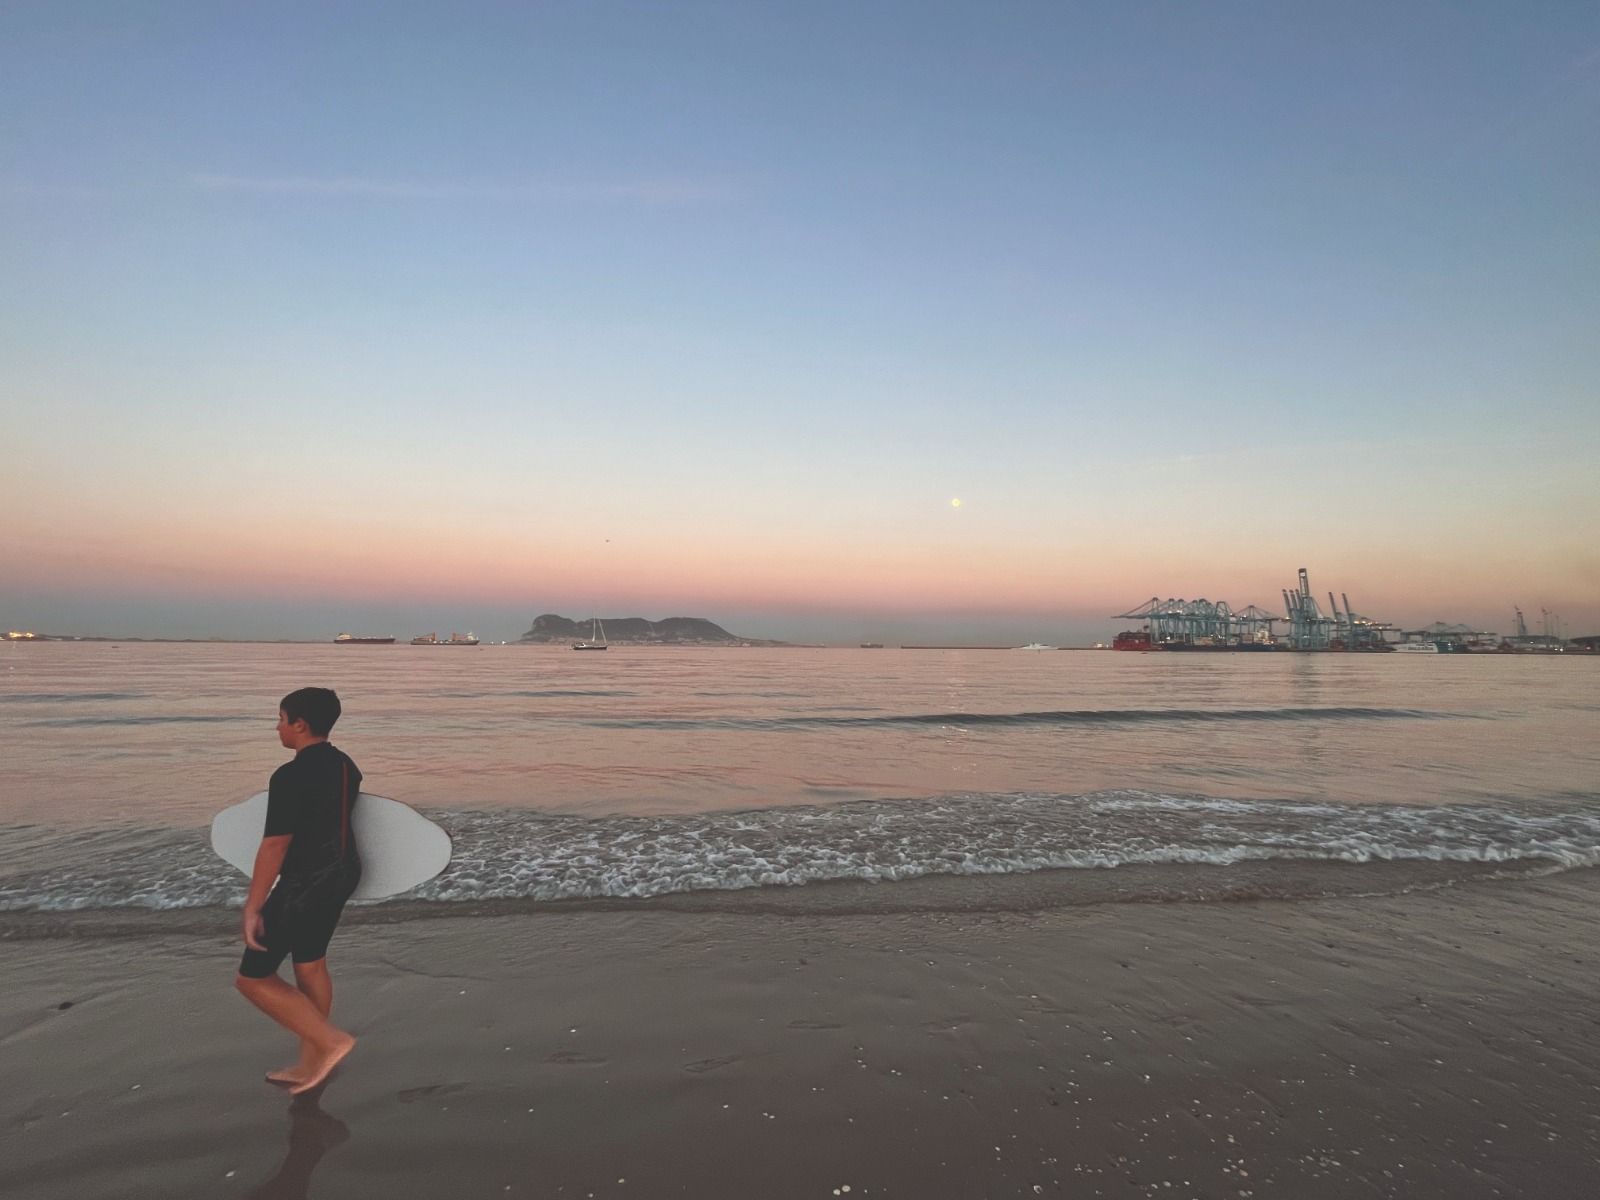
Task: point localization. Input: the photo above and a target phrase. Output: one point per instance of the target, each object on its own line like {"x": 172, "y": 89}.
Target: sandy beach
{"x": 1440, "y": 1043}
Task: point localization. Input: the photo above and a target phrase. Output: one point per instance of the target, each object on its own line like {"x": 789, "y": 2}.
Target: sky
{"x": 398, "y": 317}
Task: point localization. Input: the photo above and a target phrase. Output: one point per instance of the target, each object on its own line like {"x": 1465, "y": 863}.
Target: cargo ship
{"x": 362, "y": 639}
{"x": 455, "y": 639}
{"x": 1140, "y": 639}
{"x": 1203, "y": 644}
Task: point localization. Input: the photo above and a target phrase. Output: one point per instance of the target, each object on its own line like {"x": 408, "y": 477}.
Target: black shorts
{"x": 298, "y": 924}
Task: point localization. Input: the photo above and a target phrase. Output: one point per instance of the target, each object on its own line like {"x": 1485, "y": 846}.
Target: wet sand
{"x": 1438, "y": 1044}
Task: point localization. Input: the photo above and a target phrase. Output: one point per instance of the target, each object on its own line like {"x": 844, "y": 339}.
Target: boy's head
{"x": 318, "y": 708}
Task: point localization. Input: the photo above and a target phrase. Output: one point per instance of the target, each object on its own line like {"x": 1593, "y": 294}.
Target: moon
{"x": 955, "y": 502}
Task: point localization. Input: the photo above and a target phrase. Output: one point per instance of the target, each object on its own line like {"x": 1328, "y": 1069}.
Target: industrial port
{"x": 1204, "y": 625}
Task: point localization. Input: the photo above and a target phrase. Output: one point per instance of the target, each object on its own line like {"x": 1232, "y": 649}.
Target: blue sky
{"x": 1174, "y": 298}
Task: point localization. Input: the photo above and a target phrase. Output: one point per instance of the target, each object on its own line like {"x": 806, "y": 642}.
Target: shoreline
{"x": 740, "y": 644}
{"x": 1433, "y": 1043}
{"x": 1035, "y": 892}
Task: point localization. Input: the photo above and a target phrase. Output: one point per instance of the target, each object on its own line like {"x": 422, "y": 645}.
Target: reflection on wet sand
{"x": 312, "y": 1133}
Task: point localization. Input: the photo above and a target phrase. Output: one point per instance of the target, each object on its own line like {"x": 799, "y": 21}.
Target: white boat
{"x": 1038, "y": 646}
{"x": 1416, "y": 647}
{"x": 596, "y": 639}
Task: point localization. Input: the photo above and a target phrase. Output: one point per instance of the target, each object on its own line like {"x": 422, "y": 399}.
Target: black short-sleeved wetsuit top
{"x": 310, "y": 798}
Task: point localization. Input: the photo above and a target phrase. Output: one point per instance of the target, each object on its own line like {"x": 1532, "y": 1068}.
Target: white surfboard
{"x": 399, "y": 847}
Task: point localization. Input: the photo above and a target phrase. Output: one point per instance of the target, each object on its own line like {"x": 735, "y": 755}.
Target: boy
{"x": 308, "y": 848}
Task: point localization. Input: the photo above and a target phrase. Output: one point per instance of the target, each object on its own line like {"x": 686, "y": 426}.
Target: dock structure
{"x": 1549, "y": 635}
{"x": 1346, "y": 629}
{"x": 1204, "y": 625}
{"x": 1547, "y": 641}
{"x": 1195, "y": 624}
{"x": 1457, "y": 639}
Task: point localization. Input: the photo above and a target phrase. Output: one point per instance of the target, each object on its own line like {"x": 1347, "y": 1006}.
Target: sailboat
{"x": 596, "y": 639}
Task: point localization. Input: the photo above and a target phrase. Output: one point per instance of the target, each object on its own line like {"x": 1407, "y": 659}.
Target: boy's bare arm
{"x": 269, "y": 860}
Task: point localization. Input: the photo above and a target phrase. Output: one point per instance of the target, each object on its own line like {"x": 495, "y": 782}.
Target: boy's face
{"x": 290, "y": 732}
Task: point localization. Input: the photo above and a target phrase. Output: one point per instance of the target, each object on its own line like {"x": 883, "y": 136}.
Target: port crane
{"x": 1341, "y": 629}
{"x": 1549, "y": 639}
{"x": 1185, "y": 624}
{"x": 1202, "y": 622}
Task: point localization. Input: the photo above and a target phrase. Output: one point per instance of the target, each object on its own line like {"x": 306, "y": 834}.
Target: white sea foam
{"x": 505, "y": 855}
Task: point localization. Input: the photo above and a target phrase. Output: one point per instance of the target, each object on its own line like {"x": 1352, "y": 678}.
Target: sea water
{"x": 774, "y": 776}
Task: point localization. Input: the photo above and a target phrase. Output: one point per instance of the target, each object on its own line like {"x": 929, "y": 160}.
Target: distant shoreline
{"x": 193, "y": 641}
{"x": 654, "y": 645}
{"x": 683, "y": 645}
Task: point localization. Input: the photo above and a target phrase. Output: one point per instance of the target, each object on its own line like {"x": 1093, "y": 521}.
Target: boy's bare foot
{"x": 323, "y": 1066}
{"x": 297, "y": 1070}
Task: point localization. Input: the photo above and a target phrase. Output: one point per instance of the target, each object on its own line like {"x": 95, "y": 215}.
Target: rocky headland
{"x": 673, "y": 631}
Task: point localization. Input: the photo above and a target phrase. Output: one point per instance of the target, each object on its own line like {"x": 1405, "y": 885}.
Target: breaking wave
{"x": 518, "y": 855}
{"x": 1086, "y": 716}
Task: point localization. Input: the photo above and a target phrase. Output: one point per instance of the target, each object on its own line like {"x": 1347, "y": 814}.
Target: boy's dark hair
{"x": 318, "y": 707}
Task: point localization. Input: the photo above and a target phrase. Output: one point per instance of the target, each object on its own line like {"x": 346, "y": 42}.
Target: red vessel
{"x": 1132, "y": 639}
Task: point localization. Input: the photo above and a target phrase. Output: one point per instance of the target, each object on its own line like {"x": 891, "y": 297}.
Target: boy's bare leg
{"x": 313, "y": 980}
{"x": 296, "y": 1012}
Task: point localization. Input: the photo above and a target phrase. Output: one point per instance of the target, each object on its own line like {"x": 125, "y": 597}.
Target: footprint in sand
{"x": 710, "y": 1064}
{"x": 571, "y": 1058}
{"x": 429, "y": 1091}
